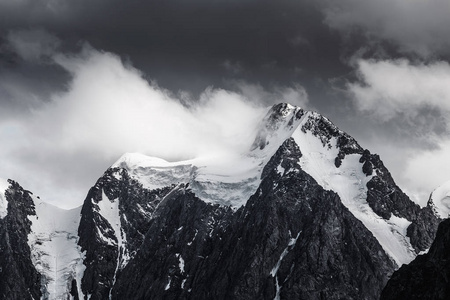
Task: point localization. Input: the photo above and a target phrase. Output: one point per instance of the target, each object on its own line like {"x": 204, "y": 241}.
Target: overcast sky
{"x": 82, "y": 82}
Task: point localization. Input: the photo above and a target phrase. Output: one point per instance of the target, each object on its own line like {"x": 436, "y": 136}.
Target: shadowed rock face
{"x": 104, "y": 259}
{"x": 426, "y": 277}
{"x": 18, "y": 277}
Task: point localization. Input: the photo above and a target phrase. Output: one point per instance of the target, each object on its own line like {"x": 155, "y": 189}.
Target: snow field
{"x": 54, "y": 250}
{"x": 349, "y": 182}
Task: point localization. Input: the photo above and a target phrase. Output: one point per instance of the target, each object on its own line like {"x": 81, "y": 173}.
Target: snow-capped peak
{"x": 440, "y": 200}
{"x": 278, "y": 124}
{"x": 228, "y": 179}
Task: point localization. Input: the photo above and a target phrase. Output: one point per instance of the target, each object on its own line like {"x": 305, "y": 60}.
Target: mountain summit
{"x": 305, "y": 213}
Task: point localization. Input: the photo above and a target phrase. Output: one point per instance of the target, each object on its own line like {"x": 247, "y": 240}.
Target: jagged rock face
{"x": 384, "y": 199}
{"x": 426, "y": 277}
{"x": 387, "y": 199}
{"x": 18, "y": 277}
{"x": 107, "y": 249}
{"x": 292, "y": 240}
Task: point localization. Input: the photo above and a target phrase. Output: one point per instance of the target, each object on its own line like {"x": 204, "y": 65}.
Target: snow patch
{"x": 289, "y": 247}
{"x": 440, "y": 200}
{"x": 168, "y": 284}
{"x": 195, "y": 235}
{"x": 280, "y": 170}
{"x": 109, "y": 209}
{"x": 181, "y": 262}
{"x": 4, "y": 185}
{"x": 291, "y": 244}
{"x": 278, "y": 289}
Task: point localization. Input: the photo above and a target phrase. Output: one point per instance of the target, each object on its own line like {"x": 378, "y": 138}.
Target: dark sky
{"x": 377, "y": 68}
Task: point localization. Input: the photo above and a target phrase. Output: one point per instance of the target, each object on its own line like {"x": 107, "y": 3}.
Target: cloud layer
{"x": 107, "y": 108}
{"x": 415, "y": 99}
{"x": 416, "y": 26}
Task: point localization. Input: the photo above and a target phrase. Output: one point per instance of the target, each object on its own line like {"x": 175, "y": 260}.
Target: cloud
{"x": 107, "y": 109}
{"x": 33, "y": 45}
{"x": 416, "y": 26}
{"x": 426, "y": 170}
{"x": 389, "y": 89}
{"x": 413, "y": 99}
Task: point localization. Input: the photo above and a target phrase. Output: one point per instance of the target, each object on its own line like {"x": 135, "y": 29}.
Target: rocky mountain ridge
{"x": 307, "y": 213}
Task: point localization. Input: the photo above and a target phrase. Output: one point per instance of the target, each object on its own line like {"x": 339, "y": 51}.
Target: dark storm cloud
{"x": 419, "y": 27}
{"x": 195, "y": 44}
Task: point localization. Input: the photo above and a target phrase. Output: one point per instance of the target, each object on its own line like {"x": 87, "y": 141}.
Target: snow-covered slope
{"x": 226, "y": 180}
{"x": 440, "y": 200}
{"x": 350, "y": 183}
{"x": 55, "y": 253}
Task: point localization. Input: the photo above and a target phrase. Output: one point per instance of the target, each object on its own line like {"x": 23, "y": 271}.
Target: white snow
{"x": 277, "y": 294}
{"x": 109, "y": 209}
{"x": 280, "y": 170}
{"x": 274, "y": 271}
{"x": 3, "y": 202}
{"x": 54, "y": 250}
{"x": 181, "y": 262}
{"x": 168, "y": 284}
{"x": 349, "y": 182}
{"x": 222, "y": 179}
{"x": 289, "y": 247}
{"x": 195, "y": 235}
{"x": 440, "y": 198}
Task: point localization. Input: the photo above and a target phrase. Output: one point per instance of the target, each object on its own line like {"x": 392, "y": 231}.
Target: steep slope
{"x": 39, "y": 256}
{"x": 54, "y": 251}
{"x": 115, "y": 217}
{"x": 18, "y": 277}
{"x": 366, "y": 188}
{"x": 426, "y": 277}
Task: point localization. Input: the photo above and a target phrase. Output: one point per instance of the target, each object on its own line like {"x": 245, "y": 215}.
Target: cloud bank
{"x": 415, "y": 97}
{"x": 416, "y": 26}
{"x": 107, "y": 108}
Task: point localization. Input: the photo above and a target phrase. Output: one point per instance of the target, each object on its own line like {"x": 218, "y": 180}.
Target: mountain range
{"x": 305, "y": 213}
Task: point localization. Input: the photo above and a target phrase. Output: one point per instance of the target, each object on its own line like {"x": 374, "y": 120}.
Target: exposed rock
{"x": 18, "y": 277}
{"x": 292, "y": 239}
{"x": 426, "y": 277}
{"x": 104, "y": 256}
